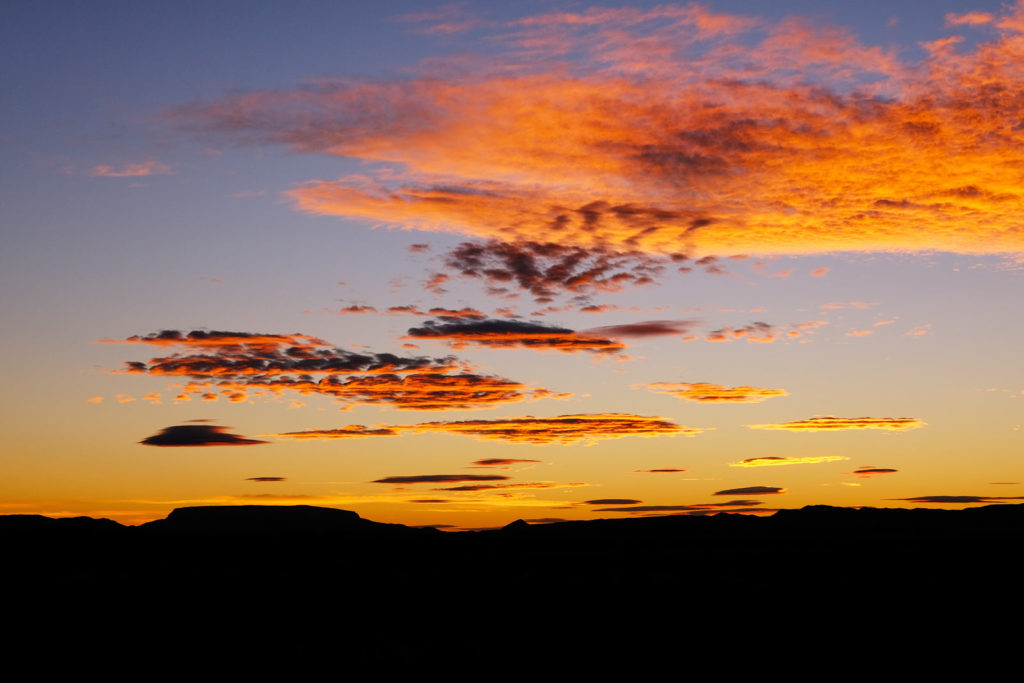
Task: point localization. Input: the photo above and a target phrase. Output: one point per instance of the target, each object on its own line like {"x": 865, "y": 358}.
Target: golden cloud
{"x": 703, "y": 392}
{"x": 816, "y": 424}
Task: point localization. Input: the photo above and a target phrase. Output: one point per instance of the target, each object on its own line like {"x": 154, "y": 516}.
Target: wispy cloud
{"x": 146, "y": 168}
{"x": 817, "y": 424}
{"x": 704, "y": 392}
{"x": 562, "y": 429}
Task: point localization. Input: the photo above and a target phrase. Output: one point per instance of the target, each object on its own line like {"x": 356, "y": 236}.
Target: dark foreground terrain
{"x": 321, "y": 575}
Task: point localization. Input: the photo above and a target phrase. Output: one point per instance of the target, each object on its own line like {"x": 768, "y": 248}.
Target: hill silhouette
{"x": 392, "y": 590}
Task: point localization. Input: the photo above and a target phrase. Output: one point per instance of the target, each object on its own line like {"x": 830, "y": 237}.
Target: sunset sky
{"x": 459, "y": 264}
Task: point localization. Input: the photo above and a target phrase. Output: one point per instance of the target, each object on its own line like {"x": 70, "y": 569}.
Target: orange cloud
{"x": 754, "y": 332}
{"x": 131, "y": 170}
{"x": 816, "y": 424}
{"x": 239, "y": 364}
{"x": 771, "y": 461}
{"x": 660, "y": 137}
{"x": 969, "y": 18}
{"x": 563, "y": 429}
{"x": 704, "y": 392}
{"x": 506, "y": 334}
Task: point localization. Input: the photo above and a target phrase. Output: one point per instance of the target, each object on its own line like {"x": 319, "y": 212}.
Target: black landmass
{"x": 393, "y": 590}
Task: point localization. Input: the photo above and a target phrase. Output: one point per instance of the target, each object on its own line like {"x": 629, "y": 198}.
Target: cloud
{"x": 820, "y": 272}
{"x": 771, "y": 460}
{"x": 525, "y": 485}
{"x": 959, "y": 499}
{"x": 653, "y": 508}
{"x": 131, "y": 170}
{"x": 549, "y": 269}
{"x": 663, "y": 470}
{"x": 817, "y": 424}
{"x": 240, "y": 363}
{"x": 703, "y": 392}
{"x": 439, "y": 478}
{"x": 969, "y": 18}
{"x": 751, "y": 491}
{"x": 672, "y": 128}
{"x": 504, "y": 334}
{"x": 356, "y": 309}
{"x": 562, "y": 429}
{"x": 346, "y": 432}
{"x": 754, "y": 332}
{"x": 265, "y": 478}
{"x": 197, "y": 435}
{"x": 500, "y": 462}
{"x": 867, "y": 472}
{"x": 611, "y": 501}
{"x": 647, "y": 328}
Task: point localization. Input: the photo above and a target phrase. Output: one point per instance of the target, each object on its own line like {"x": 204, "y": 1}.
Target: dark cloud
{"x": 652, "y": 508}
{"x": 439, "y": 478}
{"x": 265, "y": 478}
{"x": 524, "y": 485}
{"x": 197, "y": 435}
{"x": 664, "y": 470}
{"x": 237, "y": 364}
{"x": 959, "y": 499}
{"x": 647, "y": 328}
{"x": 612, "y": 501}
{"x": 750, "y": 491}
{"x": 505, "y": 334}
{"x": 547, "y": 270}
{"x": 500, "y": 462}
{"x": 354, "y": 308}
{"x": 868, "y": 471}
{"x": 430, "y": 500}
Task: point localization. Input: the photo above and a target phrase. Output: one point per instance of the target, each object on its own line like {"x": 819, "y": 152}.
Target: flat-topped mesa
{"x": 261, "y": 519}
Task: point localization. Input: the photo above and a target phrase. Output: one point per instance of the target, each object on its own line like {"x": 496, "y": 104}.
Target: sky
{"x": 460, "y": 264}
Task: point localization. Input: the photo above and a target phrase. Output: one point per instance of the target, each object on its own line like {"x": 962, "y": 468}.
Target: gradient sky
{"x": 466, "y": 263}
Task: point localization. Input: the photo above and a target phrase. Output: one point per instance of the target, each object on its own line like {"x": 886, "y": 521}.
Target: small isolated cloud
{"x": 818, "y": 424}
{"x": 959, "y": 499}
{"x": 661, "y": 470}
{"x": 95, "y": 399}
{"x": 646, "y": 328}
{"x": 969, "y": 19}
{"x": 612, "y": 501}
{"x": 751, "y": 491}
{"x": 754, "y": 332}
{"x": 704, "y": 392}
{"x": 653, "y": 508}
{"x": 771, "y": 461}
{"x": 265, "y": 478}
{"x": 130, "y": 170}
{"x": 197, "y": 435}
{"x": 356, "y": 309}
{"x": 439, "y": 478}
{"x": 920, "y": 331}
{"x": 346, "y": 432}
{"x": 859, "y": 333}
{"x": 500, "y": 462}
{"x": 866, "y": 472}
{"x": 820, "y": 272}
{"x": 523, "y": 485}
{"x": 505, "y": 334}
